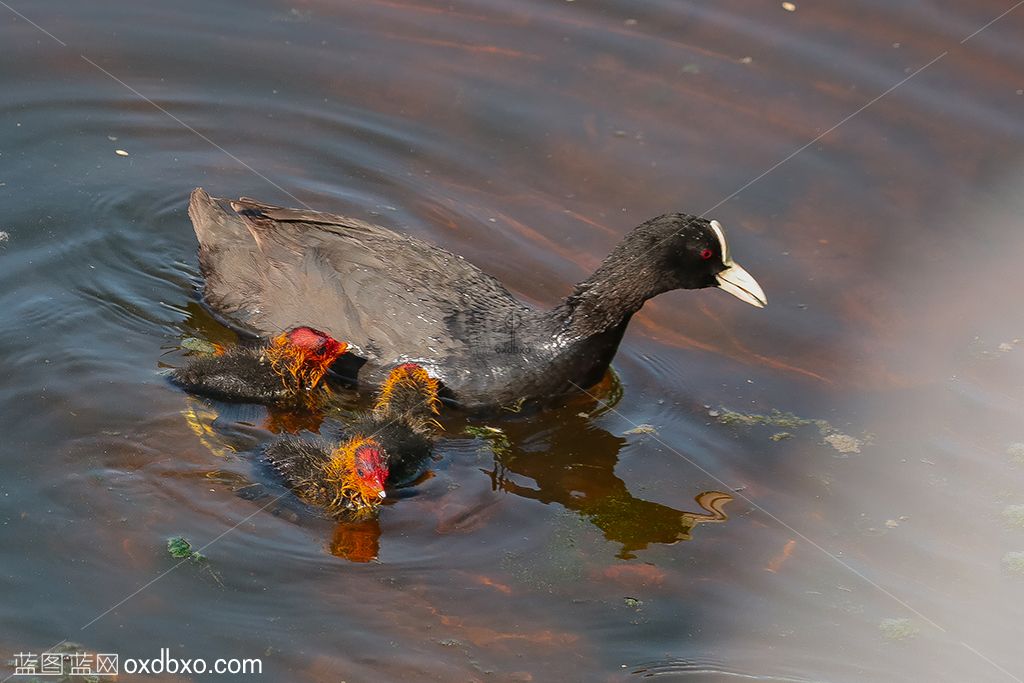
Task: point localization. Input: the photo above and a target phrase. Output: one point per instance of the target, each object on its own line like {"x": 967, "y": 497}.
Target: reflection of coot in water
{"x": 573, "y": 465}
{"x": 396, "y": 298}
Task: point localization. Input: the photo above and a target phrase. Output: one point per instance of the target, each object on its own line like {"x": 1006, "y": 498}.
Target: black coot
{"x": 395, "y": 298}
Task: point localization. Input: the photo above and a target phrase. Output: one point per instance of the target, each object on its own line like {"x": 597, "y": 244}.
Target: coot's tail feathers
{"x": 227, "y": 252}
{"x": 409, "y": 392}
{"x": 214, "y": 225}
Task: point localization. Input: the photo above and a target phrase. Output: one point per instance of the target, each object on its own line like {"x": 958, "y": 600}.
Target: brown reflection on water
{"x": 357, "y": 541}
{"x": 570, "y": 463}
{"x": 573, "y": 466}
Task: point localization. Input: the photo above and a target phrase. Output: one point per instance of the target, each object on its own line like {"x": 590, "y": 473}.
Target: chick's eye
{"x": 706, "y": 254}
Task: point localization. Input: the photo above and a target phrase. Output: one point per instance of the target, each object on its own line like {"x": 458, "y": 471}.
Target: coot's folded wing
{"x": 388, "y": 295}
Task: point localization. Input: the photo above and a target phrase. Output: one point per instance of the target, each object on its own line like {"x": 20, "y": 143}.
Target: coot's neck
{"x": 607, "y": 299}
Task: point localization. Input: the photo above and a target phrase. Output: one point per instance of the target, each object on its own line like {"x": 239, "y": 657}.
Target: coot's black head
{"x": 691, "y": 253}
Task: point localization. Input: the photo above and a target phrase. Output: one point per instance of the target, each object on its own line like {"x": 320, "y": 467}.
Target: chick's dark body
{"x": 242, "y": 373}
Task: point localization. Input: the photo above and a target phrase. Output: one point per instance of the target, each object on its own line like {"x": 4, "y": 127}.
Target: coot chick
{"x": 395, "y": 298}
{"x": 285, "y": 371}
{"x": 389, "y": 443}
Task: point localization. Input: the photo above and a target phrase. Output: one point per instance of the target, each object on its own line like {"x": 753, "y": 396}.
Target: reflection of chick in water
{"x": 356, "y": 541}
{"x": 574, "y": 465}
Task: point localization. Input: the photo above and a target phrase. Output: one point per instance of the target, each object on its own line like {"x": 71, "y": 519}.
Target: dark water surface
{"x": 529, "y": 136}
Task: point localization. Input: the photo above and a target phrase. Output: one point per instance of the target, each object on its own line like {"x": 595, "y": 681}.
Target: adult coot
{"x": 395, "y": 298}
{"x": 387, "y": 444}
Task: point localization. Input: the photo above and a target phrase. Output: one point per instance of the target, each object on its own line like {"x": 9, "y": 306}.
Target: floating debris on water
{"x": 1014, "y": 562}
{"x": 633, "y": 602}
{"x": 642, "y": 429}
{"x": 844, "y": 443}
{"x": 981, "y": 349}
{"x": 4, "y": 236}
{"x": 120, "y": 152}
{"x": 789, "y": 7}
{"x": 775, "y": 419}
{"x": 181, "y": 549}
{"x": 1014, "y": 450}
{"x": 484, "y": 431}
{"x": 898, "y": 629}
{"x": 196, "y": 345}
{"x": 1013, "y": 515}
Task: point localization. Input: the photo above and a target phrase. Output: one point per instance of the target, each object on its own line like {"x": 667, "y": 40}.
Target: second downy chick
{"x": 388, "y": 443}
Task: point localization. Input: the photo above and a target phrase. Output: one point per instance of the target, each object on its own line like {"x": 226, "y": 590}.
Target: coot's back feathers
{"x": 362, "y": 279}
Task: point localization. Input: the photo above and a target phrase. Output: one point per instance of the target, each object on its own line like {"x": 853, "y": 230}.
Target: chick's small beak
{"x": 738, "y": 282}
{"x": 380, "y": 485}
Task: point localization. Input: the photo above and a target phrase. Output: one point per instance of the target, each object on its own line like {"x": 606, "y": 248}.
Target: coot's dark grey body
{"x": 395, "y": 298}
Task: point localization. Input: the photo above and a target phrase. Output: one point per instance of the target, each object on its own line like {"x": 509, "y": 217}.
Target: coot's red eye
{"x": 706, "y": 254}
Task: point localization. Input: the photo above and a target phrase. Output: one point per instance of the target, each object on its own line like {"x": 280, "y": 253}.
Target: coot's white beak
{"x": 382, "y": 495}
{"x": 734, "y": 279}
{"x": 741, "y": 285}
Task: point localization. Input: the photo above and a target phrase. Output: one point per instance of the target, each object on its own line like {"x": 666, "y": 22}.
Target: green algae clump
{"x": 898, "y": 629}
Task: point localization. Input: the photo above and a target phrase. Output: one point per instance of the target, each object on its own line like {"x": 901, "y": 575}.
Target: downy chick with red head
{"x": 287, "y": 370}
{"x": 388, "y": 443}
